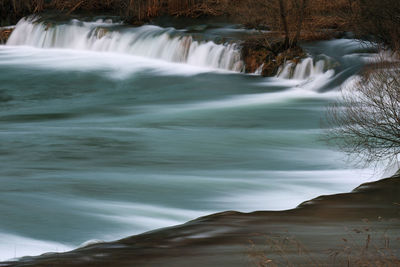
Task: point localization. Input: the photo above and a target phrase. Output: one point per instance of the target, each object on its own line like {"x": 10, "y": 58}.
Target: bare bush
{"x": 366, "y": 122}
{"x": 378, "y": 20}
{"x": 283, "y": 17}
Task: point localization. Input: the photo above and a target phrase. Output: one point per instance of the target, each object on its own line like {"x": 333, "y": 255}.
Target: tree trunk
{"x": 282, "y": 11}
{"x": 15, "y": 6}
{"x": 300, "y": 22}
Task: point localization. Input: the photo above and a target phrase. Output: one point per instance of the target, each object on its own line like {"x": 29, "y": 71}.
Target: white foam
{"x": 13, "y": 246}
{"x": 282, "y": 190}
{"x": 249, "y": 100}
{"x": 114, "y": 64}
{"x": 91, "y": 242}
{"x": 303, "y": 70}
{"x": 143, "y": 216}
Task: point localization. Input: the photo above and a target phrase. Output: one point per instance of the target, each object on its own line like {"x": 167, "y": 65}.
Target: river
{"x": 108, "y": 130}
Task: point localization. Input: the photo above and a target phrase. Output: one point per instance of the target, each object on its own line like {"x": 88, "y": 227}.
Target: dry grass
{"x": 366, "y": 247}
{"x": 281, "y": 251}
{"x": 361, "y": 247}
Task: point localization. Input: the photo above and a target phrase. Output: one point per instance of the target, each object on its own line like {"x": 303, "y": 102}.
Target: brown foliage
{"x": 306, "y": 20}
{"x": 133, "y": 10}
{"x": 196, "y": 8}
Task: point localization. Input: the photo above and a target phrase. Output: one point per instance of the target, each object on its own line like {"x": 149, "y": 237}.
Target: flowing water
{"x": 107, "y": 131}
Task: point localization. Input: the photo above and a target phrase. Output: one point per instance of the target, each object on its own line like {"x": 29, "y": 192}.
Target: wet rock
{"x": 267, "y": 55}
{"x": 101, "y": 32}
{"x": 5, "y": 33}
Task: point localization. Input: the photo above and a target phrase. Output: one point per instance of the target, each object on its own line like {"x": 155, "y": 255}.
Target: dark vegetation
{"x": 378, "y": 21}
{"x": 132, "y": 10}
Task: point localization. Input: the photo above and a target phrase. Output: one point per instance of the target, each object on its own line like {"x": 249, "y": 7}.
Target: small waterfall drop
{"x": 146, "y": 41}
{"x": 303, "y": 70}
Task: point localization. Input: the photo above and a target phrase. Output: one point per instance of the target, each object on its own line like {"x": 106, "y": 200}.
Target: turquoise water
{"x": 103, "y": 144}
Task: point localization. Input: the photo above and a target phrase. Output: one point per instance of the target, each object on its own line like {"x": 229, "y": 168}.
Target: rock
{"x": 101, "y": 32}
{"x": 5, "y": 33}
{"x": 269, "y": 52}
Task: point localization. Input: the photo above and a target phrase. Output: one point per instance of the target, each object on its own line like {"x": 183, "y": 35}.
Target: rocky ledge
{"x": 351, "y": 229}
{"x": 265, "y": 55}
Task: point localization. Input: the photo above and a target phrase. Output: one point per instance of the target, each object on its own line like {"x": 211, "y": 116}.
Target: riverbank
{"x": 360, "y": 227}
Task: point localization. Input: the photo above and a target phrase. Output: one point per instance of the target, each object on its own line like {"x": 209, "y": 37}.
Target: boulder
{"x": 5, "y": 33}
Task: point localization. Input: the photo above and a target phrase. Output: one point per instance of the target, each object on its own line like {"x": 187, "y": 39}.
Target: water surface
{"x": 106, "y": 136}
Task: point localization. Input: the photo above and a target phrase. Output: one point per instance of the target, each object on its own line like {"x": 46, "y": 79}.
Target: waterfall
{"x": 147, "y": 41}
{"x": 303, "y": 70}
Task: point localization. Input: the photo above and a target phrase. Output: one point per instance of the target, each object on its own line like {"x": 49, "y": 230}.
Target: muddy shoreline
{"x": 231, "y": 238}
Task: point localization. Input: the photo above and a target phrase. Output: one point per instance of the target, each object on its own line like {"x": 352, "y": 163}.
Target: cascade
{"x": 303, "y": 70}
{"x": 146, "y": 41}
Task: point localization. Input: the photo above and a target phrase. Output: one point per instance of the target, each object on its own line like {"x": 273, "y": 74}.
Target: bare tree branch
{"x": 366, "y": 121}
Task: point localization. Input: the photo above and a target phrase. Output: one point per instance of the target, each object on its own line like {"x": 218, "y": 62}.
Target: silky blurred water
{"x": 103, "y": 145}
